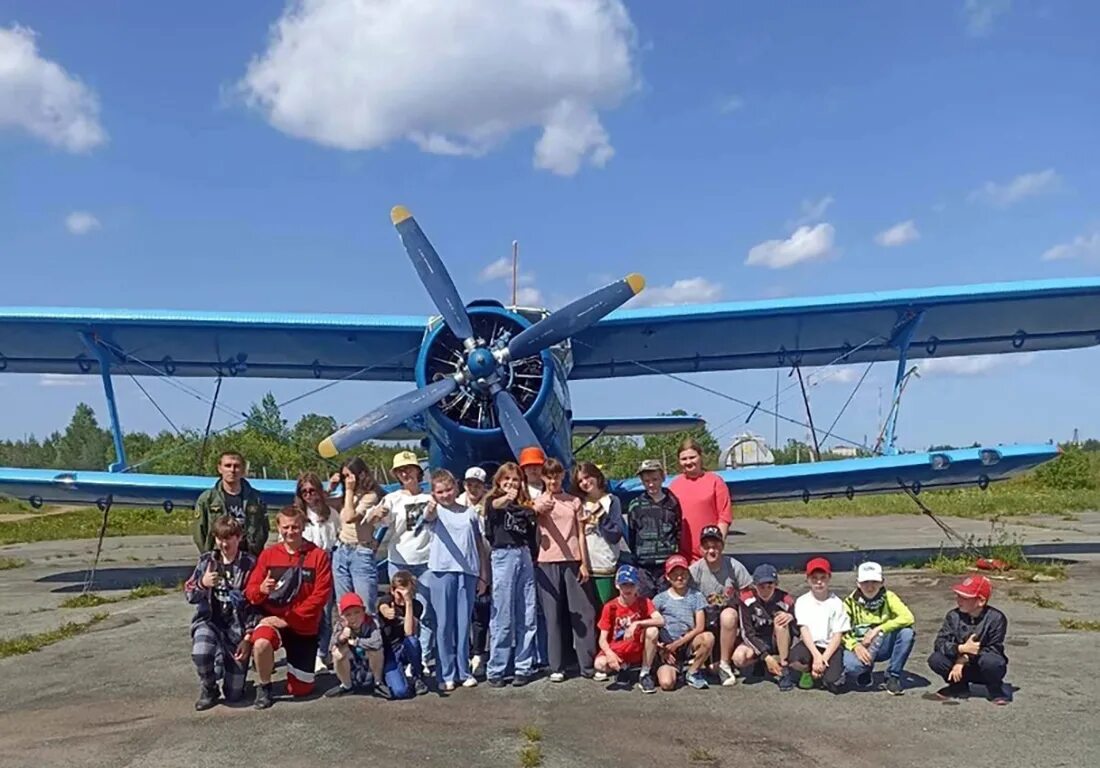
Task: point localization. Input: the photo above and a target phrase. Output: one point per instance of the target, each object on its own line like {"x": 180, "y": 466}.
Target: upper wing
{"x": 143, "y": 342}
{"x": 631, "y": 425}
{"x": 964, "y": 320}
{"x": 879, "y": 474}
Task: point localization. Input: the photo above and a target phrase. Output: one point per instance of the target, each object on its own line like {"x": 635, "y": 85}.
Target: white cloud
{"x": 454, "y": 78}
{"x": 805, "y": 244}
{"x": 980, "y": 14}
{"x": 38, "y": 96}
{"x": 974, "y": 365}
{"x": 692, "y": 290}
{"x": 529, "y": 296}
{"x": 63, "y": 380}
{"x": 730, "y": 104}
{"x": 1081, "y": 247}
{"x": 1020, "y": 188}
{"x": 899, "y": 234}
{"x": 811, "y": 211}
{"x": 498, "y": 270}
{"x": 81, "y": 222}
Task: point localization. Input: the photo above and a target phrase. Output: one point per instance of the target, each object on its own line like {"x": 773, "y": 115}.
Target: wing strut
{"x": 809, "y": 412}
{"x": 902, "y": 338}
{"x": 109, "y": 390}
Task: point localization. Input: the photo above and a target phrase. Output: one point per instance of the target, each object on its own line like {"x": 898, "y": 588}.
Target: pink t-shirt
{"x": 559, "y": 531}
{"x": 704, "y": 500}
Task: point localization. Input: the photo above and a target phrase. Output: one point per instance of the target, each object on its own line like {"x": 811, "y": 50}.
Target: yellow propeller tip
{"x": 636, "y": 282}
{"x": 398, "y": 214}
{"x": 327, "y": 448}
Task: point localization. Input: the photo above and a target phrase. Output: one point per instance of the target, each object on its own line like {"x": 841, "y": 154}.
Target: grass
{"x": 701, "y": 756}
{"x": 531, "y": 733}
{"x": 1038, "y": 600}
{"x": 530, "y": 754}
{"x": 11, "y": 563}
{"x": 22, "y": 644}
{"x": 1080, "y": 625}
{"x": 146, "y": 590}
{"x": 998, "y": 546}
{"x": 84, "y": 524}
{"x": 92, "y": 599}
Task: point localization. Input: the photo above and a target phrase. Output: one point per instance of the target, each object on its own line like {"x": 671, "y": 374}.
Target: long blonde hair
{"x": 508, "y": 467}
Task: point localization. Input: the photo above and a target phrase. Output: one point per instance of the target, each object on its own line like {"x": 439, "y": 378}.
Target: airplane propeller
{"x": 483, "y": 370}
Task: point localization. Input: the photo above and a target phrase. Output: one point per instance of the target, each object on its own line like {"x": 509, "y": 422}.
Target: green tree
{"x": 84, "y": 445}
{"x": 266, "y": 418}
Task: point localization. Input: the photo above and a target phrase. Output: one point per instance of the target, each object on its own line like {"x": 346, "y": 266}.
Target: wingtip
{"x": 327, "y": 448}
{"x": 398, "y": 214}
{"x": 636, "y": 282}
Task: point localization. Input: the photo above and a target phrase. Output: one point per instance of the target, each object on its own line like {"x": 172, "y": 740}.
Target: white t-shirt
{"x": 409, "y": 539}
{"x": 823, "y": 618}
{"x": 321, "y": 532}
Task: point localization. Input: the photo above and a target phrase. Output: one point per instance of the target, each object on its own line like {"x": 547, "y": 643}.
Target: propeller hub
{"x": 481, "y": 363}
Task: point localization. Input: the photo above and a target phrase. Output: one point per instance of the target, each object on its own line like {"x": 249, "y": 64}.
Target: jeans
{"x": 424, "y": 597}
{"x": 513, "y": 624}
{"x": 988, "y": 669}
{"x": 453, "y": 599}
{"x": 324, "y": 632}
{"x": 894, "y": 647}
{"x": 393, "y": 667}
{"x": 354, "y": 570}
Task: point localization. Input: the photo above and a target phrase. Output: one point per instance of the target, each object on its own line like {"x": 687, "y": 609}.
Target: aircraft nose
{"x": 481, "y": 363}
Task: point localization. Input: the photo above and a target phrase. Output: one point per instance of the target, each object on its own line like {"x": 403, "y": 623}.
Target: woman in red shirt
{"x": 704, "y": 499}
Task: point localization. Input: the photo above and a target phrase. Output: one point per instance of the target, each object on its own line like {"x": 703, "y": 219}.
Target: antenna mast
{"x": 515, "y": 270}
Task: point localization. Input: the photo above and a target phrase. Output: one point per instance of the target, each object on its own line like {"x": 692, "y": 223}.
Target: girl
{"x": 563, "y": 575}
{"x": 319, "y": 528}
{"x": 409, "y": 539}
{"x": 603, "y": 528}
{"x": 473, "y": 495}
{"x": 704, "y": 500}
{"x": 458, "y": 571}
{"x": 399, "y": 618}
{"x": 353, "y": 565}
{"x": 510, "y": 530}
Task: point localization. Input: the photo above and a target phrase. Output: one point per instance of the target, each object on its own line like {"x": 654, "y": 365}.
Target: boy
{"x": 970, "y": 645}
{"x": 822, "y": 622}
{"x": 356, "y": 648}
{"x": 628, "y": 631}
{"x": 767, "y": 626}
{"x": 653, "y": 522}
{"x": 223, "y": 621}
{"x": 721, "y": 580}
{"x": 399, "y": 618}
{"x": 681, "y": 607}
{"x": 882, "y": 630}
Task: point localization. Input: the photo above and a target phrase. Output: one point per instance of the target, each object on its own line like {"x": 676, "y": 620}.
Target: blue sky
{"x": 896, "y": 146}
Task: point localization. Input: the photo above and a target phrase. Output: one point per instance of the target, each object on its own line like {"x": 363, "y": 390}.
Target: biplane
{"x": 490, "y": 380}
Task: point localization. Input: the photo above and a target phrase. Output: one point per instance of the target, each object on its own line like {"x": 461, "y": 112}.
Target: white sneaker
{"x": 726, "y": 675}
{"x": 557, "y": 677}
{"x": 448, "y": 686}
{"x": 469, "y": 682}
{"x": 599, "y": 677}
{"x": 319, "y": 666}
{"x": 475, "y": 664}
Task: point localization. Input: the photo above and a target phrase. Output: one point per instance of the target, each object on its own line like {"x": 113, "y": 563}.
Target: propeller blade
{"x": 432, "y": 273}
{"x": 517, "y": 431}
{"x": 385, "y": 417}
{"x": 574, "y": 317}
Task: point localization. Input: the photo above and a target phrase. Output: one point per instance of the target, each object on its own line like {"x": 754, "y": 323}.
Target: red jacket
{"x": 303, "y": 614}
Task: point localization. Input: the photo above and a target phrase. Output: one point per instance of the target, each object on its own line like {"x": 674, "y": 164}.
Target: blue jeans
{"x": 453, "y": 600}
{"x": 513, "y": 623}
{"x": 892, "y": 646}
{"x": 424, "y": 597}
{"x": 393, "y": 667}
{"x": 324, "y": 632}
{"x": 354, "y": 570}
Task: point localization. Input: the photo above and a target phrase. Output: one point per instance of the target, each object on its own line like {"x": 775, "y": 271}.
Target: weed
{"x": 17, "y": 646}
{"x": 10, "y": 563}
{"x": 1080, "y": 624}
{"x": 88, "y": 600}
{"x": 998, "y": 546}
{"x": 146, "y": 590}
{"x": 1038, "y": 600}
{"x": 531, "y": 733}
{"x": 701, "y": 756}
{"x": 530, "y": 755}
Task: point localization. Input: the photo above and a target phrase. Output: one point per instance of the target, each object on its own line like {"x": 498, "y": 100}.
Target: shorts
{"x": 301, "y": 656}
{"x": 630, "y": 651}
{"x": 683, "y": 653}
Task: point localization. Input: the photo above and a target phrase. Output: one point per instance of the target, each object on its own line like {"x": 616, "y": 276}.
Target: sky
{"x": 245, "y": 156}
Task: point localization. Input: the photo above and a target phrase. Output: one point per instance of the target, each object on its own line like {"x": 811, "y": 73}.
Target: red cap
{"x": 819, "y": 564}
{"x": 351, "y": 600}
{"x": 974, "y": 586}
{"x": 676, "y": 561}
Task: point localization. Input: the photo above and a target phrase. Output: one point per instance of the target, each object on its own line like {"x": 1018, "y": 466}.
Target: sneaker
{"x": 786, "y": 681}
{"x": 419, "y": 686}
{"x": 319, "y": 666}
{"x": 497, "y": 682}
{"x": 953, "y": 691}
{"x": 599, "y": 677}
{"x": 448, "y": 686}
{"x": 893, "y": 686}
{"x": 518, "y": 681}
{"x": 208, "y": 697}
{"x": 557, "y": 677}
{"x": 726, "y": 676}
{"x": 263, "y": 697}
{"x": 864, "y": 679}
{"x": 475, "y": 664}
{"x": 998, "y": 695}
{"x": 340, "y": 690}
{"x": 645, "y": 682}
{"x": 696, "y": 680}
{"x": 806, "y": 681}
{"x": 588, "y": 675}
{"x": 622, "y": 681}
{"x": 470, "y": 682}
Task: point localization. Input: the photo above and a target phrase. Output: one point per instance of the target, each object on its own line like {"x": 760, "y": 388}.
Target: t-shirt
{"x": 234, "y": 505}
{"x": 321, "y": 532}
{"x": 704, "y": 500}
{"x": 679, "y": 611}
{"x": 559, "y": 531}
{"x": 720, "y": 589}
{"x": 509, "y": 527}
{"x": 615, "y": 616}
{"x": 393, "y": 630}
{"x": 410, "y": 542}
{"x": 455, "y": 539}
{"x": 358, "y": 531}
{"x": 823, "y": 618}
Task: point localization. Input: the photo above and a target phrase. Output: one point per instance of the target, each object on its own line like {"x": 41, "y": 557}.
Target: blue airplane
{"x": 491, "y": 380}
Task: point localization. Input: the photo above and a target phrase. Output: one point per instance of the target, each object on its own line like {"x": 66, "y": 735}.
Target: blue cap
{"x": 627, "y": 574}
{"x": 765, "y": 573}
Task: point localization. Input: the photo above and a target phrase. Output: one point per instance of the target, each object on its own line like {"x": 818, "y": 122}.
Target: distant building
{"x": 847, "y": 451}
{"x": 747, "y": 450}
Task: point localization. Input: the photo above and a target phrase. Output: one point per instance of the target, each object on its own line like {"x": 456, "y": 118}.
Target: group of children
{"x": 551, "y": 567}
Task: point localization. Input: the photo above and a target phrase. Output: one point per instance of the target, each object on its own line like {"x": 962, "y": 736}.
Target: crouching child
{"x": 767, "y": 626}
{"x": 970, "y": 646}
{"x": 356, "y": 648}
{"x": 882, "y": 630}
{"x": 221, "y": 630}
{"x": 684, "y": 640}
{"x": 399, "y": 617}
{"x": 822, "y": 623}
{"x": 628, "y": 632}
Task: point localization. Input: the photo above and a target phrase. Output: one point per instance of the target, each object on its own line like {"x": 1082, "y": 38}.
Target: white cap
{"x": 475, "y": 473}
{"x": 869, "y": 572}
